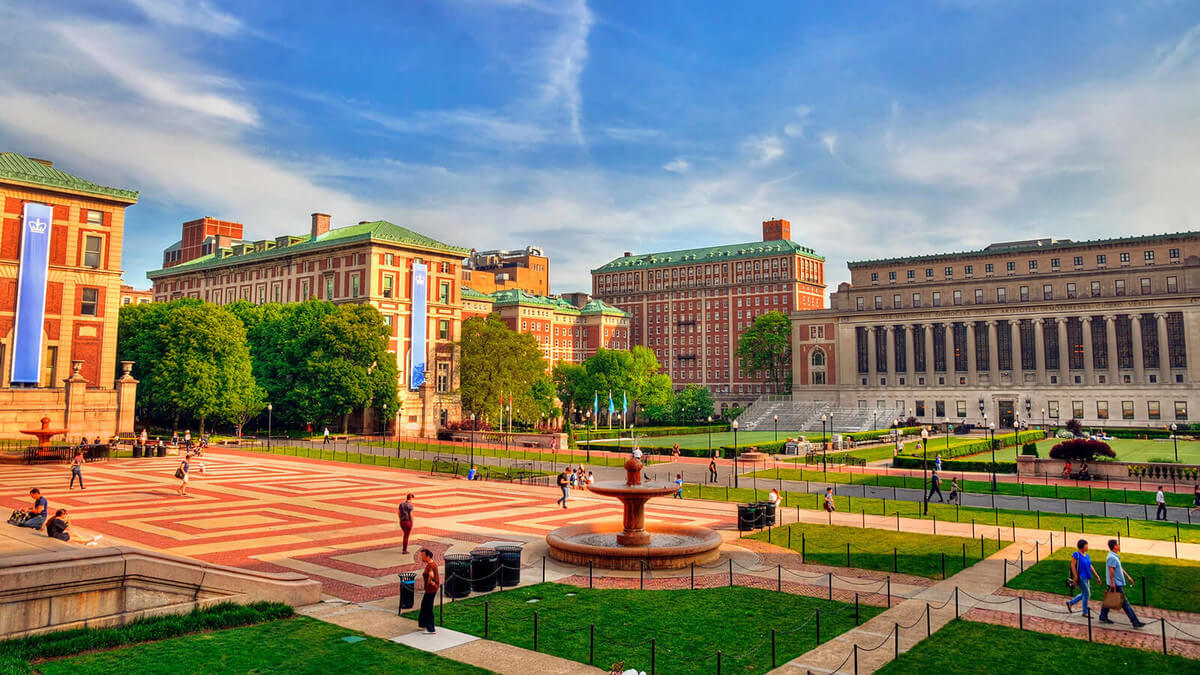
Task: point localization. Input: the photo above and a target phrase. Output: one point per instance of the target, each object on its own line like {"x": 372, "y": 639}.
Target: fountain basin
{"x": 669, "y": 546}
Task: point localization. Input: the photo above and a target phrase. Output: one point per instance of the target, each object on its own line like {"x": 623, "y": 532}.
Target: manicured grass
{"x": 1169, "y": 583}
{"x": 689, "y": 625}
{"x": 989, "y": 648}
{"x": 572, "y": 457}
{"x": 1139, "y": 450}
{"x": 297, "y": 645}
{"x": 405, "y": 462}
{"x": 1084, "y": 492}
{"x": 700, "y": 441}
{"x": 898, "y": 552}
{"x": 1003, "y": 518}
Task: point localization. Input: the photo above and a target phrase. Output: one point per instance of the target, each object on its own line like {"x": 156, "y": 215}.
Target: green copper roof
{"x": 1033, "y": 246}
{"x": 25, "y": 170}
{"x": 379, "y": 230}
{"x": 710, "y": 254}
{"x": 601, "y": 307}
{"x": 518, "y": 297}
{"x": 469, "y": 293}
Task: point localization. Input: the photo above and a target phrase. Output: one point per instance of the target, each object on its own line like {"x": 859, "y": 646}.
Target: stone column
{"x": 1110, "y": 336}
{"x": 1064, "y": 351}
{"x": 929, "y": 351}
{"x": 872, "y": 367}
{"x": 126, "y": 396}
{"x": 910, "y": 364}
{"x": 1039, "y": 352}
{"x": 993, "y": 354}
{"x": 1135, "y": 336}
{"x": 972, "y": 375}
{"x": 1164, "y": 358}
{"x": 75, "y": 388}
{"x": 889, "y": 344}
{"x": 1089, "y": 369}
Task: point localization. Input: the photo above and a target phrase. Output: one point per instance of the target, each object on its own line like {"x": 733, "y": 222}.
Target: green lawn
{"x": 1169, "y": 583}
{"x": 689, "y": 625}
{"x": 966, "y": 645}
{"x": 1137, "y": 450}
{"x": 1087, "y": 492}
{"x": 1003, "y": 518}
{"x": 899, "y": 552}
{"x": 405, "y": 462}
{"x": 297, "y": 645}
{"x": 700, "y": 441}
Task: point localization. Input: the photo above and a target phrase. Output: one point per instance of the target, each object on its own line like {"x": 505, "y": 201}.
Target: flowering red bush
{"x": 1081, "y": 449}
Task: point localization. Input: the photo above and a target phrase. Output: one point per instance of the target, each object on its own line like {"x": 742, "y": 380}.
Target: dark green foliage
{"x": 1081, "y": 449}
{"x": 766, "y": 348}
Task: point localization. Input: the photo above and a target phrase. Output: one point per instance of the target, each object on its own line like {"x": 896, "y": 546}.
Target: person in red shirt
{"x": 432, "y": 583}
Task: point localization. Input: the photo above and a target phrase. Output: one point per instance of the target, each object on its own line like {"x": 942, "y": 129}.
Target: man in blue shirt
{"x": 1082, "y": 573}
{"x": 472, "y": 474}
{"x": 1117, "y": 579}
{"x": 38, "y": 512}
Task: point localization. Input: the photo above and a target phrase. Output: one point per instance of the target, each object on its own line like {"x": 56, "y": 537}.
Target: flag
{"x": 624, "y": 404}
{"x": 596, "y": 406}
{"x": 611, "y": 408}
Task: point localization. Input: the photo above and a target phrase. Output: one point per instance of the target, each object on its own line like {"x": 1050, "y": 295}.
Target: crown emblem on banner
{"x": 37, "y": 226}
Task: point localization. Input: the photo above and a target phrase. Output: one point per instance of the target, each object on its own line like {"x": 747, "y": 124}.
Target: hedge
{"x": 602, "y": 433}
{"x": 1002, "y": 441}
{"x": 957, "y": 465}
{"x": 860, "y": 436}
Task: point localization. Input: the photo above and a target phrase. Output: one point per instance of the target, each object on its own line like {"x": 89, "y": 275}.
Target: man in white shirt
{"x": 1161, "y": 500}
{"x": 1117, "y": 579}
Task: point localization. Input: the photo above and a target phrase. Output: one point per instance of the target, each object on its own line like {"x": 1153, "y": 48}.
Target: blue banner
{"x": 31, "y": 294}
{"x": 417, "y": 331}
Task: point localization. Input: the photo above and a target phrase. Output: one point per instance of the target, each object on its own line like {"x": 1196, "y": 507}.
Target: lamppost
{"x": 777, "y": 428}
{"x": 896, "y": 436}
{"x": 270, "y": 408}
{"x": 925, "y": 469}
{"x": 1043, "y": 421}
{"x": 710, "y": 436}
{"x": 875, "y": 424}
{"x": 947, "y": 419}
{"x": 992, "y": 443}
{"x": 587, "y": 427}
{"x": 618, "y": 416}
{"x": 735, "y": 453}
{"x": 1028, "y": 410}
{"x": 474, "y": 428}
{"x": 508, "y": 414}
{"x": 1175, "y": 441}
{"x": 824, "y": 419}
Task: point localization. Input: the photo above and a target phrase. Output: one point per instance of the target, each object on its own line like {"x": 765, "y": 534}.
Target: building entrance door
{"x": 1006, "y": 414}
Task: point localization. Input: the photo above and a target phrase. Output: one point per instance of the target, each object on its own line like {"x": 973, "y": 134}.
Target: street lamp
{"x": 618, "y": 416}
{"x": 1175, "y": 442}
{"x": 925, "y": 468}
{"x": 1043, "y": 421}
{"x": 777, "y": 428}
{"x": 587, "y": 427}
{"x": 896, "y": 437}
{"x": 992, "y": 443}
{"x": 875, "y": 424}
{"x": 474, "y": 428}
{"x": 735, "y": 453}
{"x": 710, "y": 436}
{"x": 270, "y": 408}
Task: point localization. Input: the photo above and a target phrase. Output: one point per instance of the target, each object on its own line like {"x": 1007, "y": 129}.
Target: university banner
{"x": 419, "y": 321}
{"x": 31, "y": 293}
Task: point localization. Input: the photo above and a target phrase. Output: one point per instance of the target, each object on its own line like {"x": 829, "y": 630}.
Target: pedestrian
{"x": 472, "y": 474}
{"x": 712, "y": 469}
{"x": 182, "y": 474}
{"x": 1117, "y": 579}
{"x": 175, "y": 437}
{"x": 325, "y": 436}
{"x": 1196, "y": 498}
{"x": 955, "y": 494}
{"x": 675, "y": 450}
{"x": 935, "y": 485}
{"x": 937, "y": 462}
{"x": 564, "y": 484}
{"x": 406, "y": 520}
{"x": 829, "y": 505}
{"x": 1082, "y": 573}
{"x": 35, "y": 516}
{"x": 144, "y": 437}
{"x": 59, "y": 527}
{"x": 591, "y": 479}
{"x": 187, "y": 439}
{"x": 1161, "y": 500}
{"x": 77, "y": 469}
{"x": 678, "y": 486}
{"x": 432, "y": 583}
{"x": 773, "y": 497}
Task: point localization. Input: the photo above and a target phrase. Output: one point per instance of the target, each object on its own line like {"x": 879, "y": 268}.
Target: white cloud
{"x": 796, "y": 129}
{"x": 467, "y": 126}
{"x": 631, "y": 134}
{"x": 830, "y": 143}
{"x": 198, "y": 15}
{"x": 677, "y": 165}
{"x": 763, "y": 149}
{"x": 565, "y": 58}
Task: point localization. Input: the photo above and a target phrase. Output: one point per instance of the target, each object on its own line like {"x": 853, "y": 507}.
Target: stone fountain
{"x": 665, "y": 546}
{"x": 45, "y": 433}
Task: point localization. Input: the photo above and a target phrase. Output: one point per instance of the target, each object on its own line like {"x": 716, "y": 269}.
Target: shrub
{"x": 1063, "y": 433}
{"x": 1029, "y": 449}
{"x": 1081, "y": 449}
{"x": 956, "y": 465}
{"x": 1073, "y": 425}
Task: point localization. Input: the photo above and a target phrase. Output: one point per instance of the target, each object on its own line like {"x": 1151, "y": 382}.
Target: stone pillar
{"x": 929, "y": 351}
{"x": 1110, "y": 336}
{"x": 126, "y": 399}
{"x": 75, "y": 387}
{"x": 1135, "y": 336}
{"x": 1039, "y": 352}
{"x": 872, "y": 366}
{"x": 910, "y": 364}
{"x": 889, "y": 343}
{"x": 1064, "y": 350}
{"x": 1089, "y": 368}
{"x": 972, "y": 374}
{"x": 1164, "y": 358}
{"x": 993, "y": 354}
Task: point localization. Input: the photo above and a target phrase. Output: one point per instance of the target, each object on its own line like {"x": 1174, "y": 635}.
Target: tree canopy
{"x": 496, "y": 361}
{"x": 693, "y": 404}
{"x": 766, "y": 348}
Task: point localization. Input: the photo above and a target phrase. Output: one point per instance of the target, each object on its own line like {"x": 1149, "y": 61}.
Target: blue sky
{"x": 877, "y": 128}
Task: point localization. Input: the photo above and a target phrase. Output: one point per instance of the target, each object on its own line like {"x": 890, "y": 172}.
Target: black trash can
{"x": 408, "y": 590}
{"x": 510, "y": 565}
{"x": 748, "y": 517}
{"x": 137, "y": 451}
{"x": 767, "y": 509}
{"x": 458, "y": 575}
{"x": 162, "y": 451}
{"x": 484, "y": 569}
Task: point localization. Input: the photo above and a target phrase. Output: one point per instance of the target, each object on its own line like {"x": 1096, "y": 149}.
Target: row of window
{"x": 1011, "y": 265}
{"x": 1145, "y": 287}
{"x": 1128, "y": 412}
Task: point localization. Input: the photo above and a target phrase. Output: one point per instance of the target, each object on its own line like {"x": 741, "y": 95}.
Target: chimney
{"x": 777, "y": 229}
{"x": 320, "y": 224}
{"x": 627, "y": 254}
{"x": 44, "y": 162}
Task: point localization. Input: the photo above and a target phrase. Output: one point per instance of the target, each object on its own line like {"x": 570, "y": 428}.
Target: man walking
{"x": 678, "y": 486}
{"x": 1082, "y": 573}
{"x": 935, "y": 485}
{"x": 564, "y": 484}
{"x": 1161, "y": 500}
{"x": 77, "y": 469}
{"x": 406, "y": 520}
{"x": 325, "y": 438}
{"x": 1117, "y": 579}
{"x": 712, "y": 469}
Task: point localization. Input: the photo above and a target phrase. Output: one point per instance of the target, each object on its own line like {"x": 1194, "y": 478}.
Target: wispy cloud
{"x": 830, "y": 142}
{"x": 198, "y": 15}
{"x": 796, "y": 129}
{"x": 631, "y": 134}
{"x": 565, "y": 58}
{"x": 467, "y": 126}
{"x": 763, "y": 149}
{"x": 677, "y": 165}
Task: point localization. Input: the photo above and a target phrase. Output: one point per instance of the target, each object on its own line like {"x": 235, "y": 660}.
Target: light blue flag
{"x": 624, "y": 404}
{"x": 596, "y": 405}
{"x": 611, "y": 408}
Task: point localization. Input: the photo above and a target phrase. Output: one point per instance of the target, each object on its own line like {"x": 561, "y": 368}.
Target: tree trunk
{"x": 346, "y": 424}
{"x": 202, "y": 427}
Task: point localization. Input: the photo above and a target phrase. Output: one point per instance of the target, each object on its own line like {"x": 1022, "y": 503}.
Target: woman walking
{"x": 182, "y": 474}
{"x": 77, "y": 469}
{"x": 432, "y": 584}
{"x": 406, "y": 520}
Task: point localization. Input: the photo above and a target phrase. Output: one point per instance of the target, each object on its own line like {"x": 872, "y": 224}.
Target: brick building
{"x": 60, "y": 284}
{"x": 490, "y": 271}
{"x": 1105, "y": 331}
{"x": 134, "y": 296}
{"x": 690, "y": 306}
{"x": 371, "y": 262}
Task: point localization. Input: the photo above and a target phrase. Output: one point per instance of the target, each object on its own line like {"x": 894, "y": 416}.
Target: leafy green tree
{"x": 693, "y": 404}
{"x": 659, "y": 399}
{"x": 495, "y": 360}
{"x": 766, "y": 348}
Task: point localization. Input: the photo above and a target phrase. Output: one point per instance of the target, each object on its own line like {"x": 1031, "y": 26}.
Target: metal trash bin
{"x": 510, "y": 565}
{"x": 485, "y": 569}
{"x": 767, "y": 514}
{"x": 162, "y": 451}
{"x": 458, "y": 575}
{"x": 137, "y": 451}
{"x": 408, "y": 590}
{"x": 748, "y": 517}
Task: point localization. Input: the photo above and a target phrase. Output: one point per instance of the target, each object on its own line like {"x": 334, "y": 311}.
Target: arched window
{"x": 816, "y": 371}
{"x": 818, "y": 357}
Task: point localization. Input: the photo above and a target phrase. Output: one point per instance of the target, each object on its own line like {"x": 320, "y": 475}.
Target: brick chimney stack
{"x": 777, "y": 229}
{"x": 320, "y": 224}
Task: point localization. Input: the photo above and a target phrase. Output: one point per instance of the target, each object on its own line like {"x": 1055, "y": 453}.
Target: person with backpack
{"x": 955, "y": 492}
{"x": 1082, "y": 573}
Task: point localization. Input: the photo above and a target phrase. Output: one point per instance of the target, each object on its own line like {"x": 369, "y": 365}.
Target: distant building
{"x": 202, "y": 237}
{"x": 60, "y": 285}
{"x": 526, "y": 270}
{"x": 412, "y": 279}
{"x": 691, "y": 306}
{"x": 133, "y": 296}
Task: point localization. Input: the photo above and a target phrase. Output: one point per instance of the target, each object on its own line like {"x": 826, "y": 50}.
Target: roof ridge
{"x": 18, "y": 167}
{"x": 1054, "y": 245}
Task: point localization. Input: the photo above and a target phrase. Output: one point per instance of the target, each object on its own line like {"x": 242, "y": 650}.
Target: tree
{"x": 497, "y": 361}
{"x": 1081, "y": 449}
{"x": 693, "y": 404}
{"x": 766, "y": 348}
{"x": 572, "y": 385}
{"x": 659, "y": 399}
